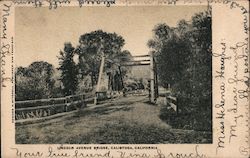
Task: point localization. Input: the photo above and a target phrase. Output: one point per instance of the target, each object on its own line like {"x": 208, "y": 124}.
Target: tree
{"x": 184, "y": 51}
{"x": 68, "y": 69}
{"x": 35, "y": 81}
{"x": 90, "y": 49}
{"x": 172, "y": 61}
{"x": 162, "y": 33}
{"x": 201, "y": 61}
{"x": 184, "y": 60}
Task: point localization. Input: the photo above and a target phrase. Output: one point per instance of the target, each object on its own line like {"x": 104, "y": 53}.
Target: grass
{"x": 125, "y": 121}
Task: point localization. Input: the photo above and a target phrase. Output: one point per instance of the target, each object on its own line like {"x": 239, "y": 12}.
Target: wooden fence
{"x": 172, "y": 103}
{"x": 31, "y": 109}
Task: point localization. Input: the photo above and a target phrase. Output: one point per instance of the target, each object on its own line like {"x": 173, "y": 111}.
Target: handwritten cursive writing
{"x": 78, "y": 154}
{"x": 221, "y": 116}
{"x": 54, "y": 4}
{"x": 20, "y": 154}
{"x": 54, "y": 153}
{"x": 223, "y": 58}
{"x": 195, "y": 154}
{"x": 105, "y": 2}
{"x": 5, "y": 47}
{"x": 233, "y": 127}
{"x": 6, "y": 14}
{"x": 57, "y": 154}
{"x": 244, "y": 150}
{"x": 36, "y": 3}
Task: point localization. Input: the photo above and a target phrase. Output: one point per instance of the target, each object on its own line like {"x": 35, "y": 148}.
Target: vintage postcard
{"x": 124, "y": 78}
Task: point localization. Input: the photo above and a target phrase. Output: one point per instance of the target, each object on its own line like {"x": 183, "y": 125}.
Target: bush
{"x": 190, "y": 116}
{"x": 35, "y": 81}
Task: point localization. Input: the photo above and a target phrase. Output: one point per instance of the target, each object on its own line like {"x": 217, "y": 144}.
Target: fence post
{"x": 66, "y": 104}
{"x": 177, "y": 107}
{"x": 152, "y": 78}
{"x": 82, "y": 101}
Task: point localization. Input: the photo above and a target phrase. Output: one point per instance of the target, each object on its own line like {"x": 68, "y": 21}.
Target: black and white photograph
{"x": 113, "y": 75}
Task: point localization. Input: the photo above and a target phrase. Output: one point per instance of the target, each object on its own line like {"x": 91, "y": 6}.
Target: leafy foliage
{"x": 90, "y": 49}
{"x": 69, "y": 69}
{"x": 184, "y": 60}
{"x": 35, "y": 81}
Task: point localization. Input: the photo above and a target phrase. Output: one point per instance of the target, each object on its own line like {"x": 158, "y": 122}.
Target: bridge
{"x": 140, "y": 61}
{"x": 44, "y": 109}
{"x": 90, "y": 119}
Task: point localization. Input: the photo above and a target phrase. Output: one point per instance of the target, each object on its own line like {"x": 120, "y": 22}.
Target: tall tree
{"x": 68, "y": 69}
{"x": 184, "y": 52}
{"x": 90, "y": 49}
{"x": 185, "y": 61}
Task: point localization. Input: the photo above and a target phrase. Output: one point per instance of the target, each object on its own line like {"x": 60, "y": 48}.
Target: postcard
{"x": 124, "y": 78}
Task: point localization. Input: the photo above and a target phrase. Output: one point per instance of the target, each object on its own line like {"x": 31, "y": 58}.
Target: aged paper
{"x": 124, "y": 78}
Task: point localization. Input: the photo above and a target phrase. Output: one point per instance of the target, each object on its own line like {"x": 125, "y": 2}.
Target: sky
{"x": 40, "y": 33}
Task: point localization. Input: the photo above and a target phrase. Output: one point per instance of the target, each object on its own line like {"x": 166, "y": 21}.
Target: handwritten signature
{"x": 52, "y": 153}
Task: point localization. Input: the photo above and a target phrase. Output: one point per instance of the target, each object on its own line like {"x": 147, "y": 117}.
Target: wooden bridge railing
{"x": 172, "y": 103}
{"x": 46, "y": 107}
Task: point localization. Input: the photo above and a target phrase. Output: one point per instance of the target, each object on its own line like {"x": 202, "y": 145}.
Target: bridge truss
{"x": 148, "y": 60}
